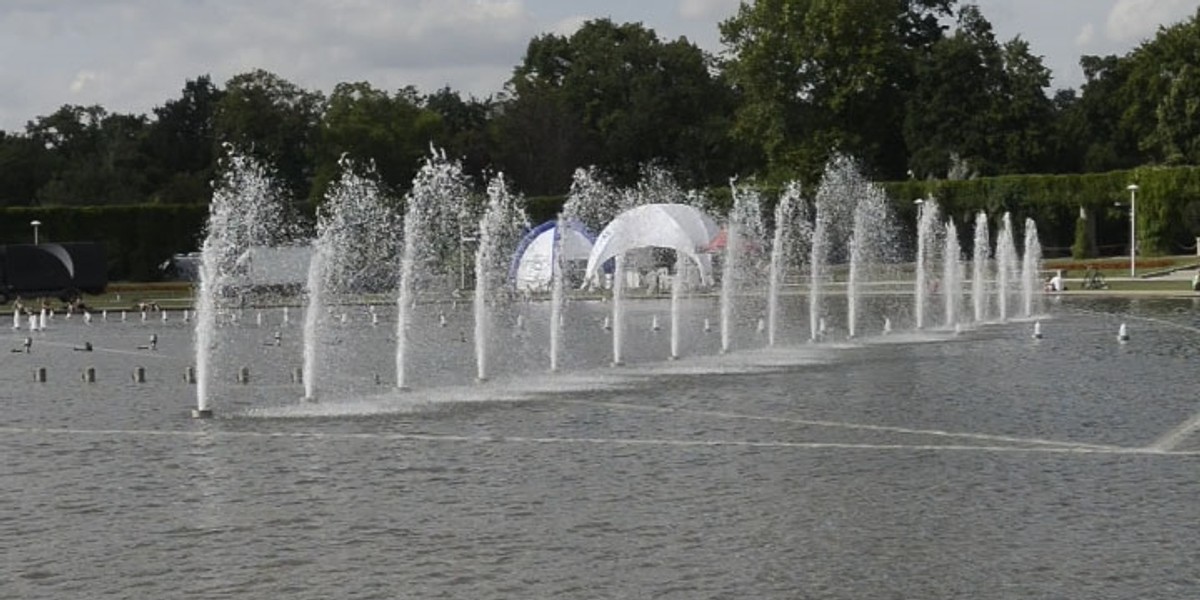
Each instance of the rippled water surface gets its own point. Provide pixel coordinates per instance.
(932, 465)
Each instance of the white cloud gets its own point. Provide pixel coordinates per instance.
(1135, 20)
(130, 56)
(705, 10)
(568, 26)
(1085, 36)
(81, 81)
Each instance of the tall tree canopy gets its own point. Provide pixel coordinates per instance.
(906, 86)
(181, 141)
(392, 130)
(97, 157)
(625, 98)
(275, 120)
(979, 100)
(824, 76)
(1163, 94)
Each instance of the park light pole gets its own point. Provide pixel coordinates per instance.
(35, 224)
(1133, 188)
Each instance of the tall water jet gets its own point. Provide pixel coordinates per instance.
(557, 294)
(870, 244)
(677, 285)
(951, 276)
(1031, 269)
(832, 223)
(792, 231)
(247, 210)
(498, 233)
(927, 226)
(1006, 265)
(354, 248)
(593, 203)
(618, 310)
(979, 267)
(313, 314)
(433, 215)
(743, 234)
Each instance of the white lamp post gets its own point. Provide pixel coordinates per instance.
(1133, 188)
(35, 223)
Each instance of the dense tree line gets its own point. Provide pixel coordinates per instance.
(914, 88)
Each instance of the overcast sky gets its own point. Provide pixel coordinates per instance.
(132, 55)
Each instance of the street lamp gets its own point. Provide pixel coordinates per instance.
(35, 223)
(1133, 188)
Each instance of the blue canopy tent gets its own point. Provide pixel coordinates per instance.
(532, 266)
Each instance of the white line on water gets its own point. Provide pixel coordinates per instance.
(422, 437)
(855, 426)
(1171, 439)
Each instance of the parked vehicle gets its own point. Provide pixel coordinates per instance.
(62, 270)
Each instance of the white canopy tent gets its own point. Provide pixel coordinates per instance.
(533, 265)
(679, 227)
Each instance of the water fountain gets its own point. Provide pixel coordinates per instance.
(831, 230)
(928, 227)
(979, 267)
(851, 236)
(247, 211)
(499, 231)
(742, 255)
(1031, 269)
(1006, 267)
(593, 203)
(951, 276)
(871, 247)
(433, 214)
(352, 253)
(792, 233)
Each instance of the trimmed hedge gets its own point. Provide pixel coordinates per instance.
(1168, 206)
(141, 237)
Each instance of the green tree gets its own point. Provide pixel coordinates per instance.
(25, 166)
(636, 100)
(465, 128)
(97, 157)
(539, 140)
(981, 100)
(393, 131)
(825, 76)
(1163, 94)
(1109, 142)
(276, 121)
(1176, 136)
(1025, 114)
(952, 100)
(181, 142)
